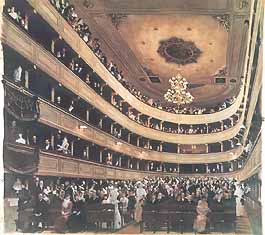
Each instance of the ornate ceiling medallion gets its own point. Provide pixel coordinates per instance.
(176, 50)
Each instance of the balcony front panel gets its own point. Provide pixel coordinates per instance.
(46, 62)
(52, 164)
(49, 13)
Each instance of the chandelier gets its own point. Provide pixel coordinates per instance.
(177, 93)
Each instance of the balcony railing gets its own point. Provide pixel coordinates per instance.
(20, 159)
(23, 107)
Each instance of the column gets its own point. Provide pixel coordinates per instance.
(113, 97)
(128, 163)
(207, 148)
(161, 125)
(222, 146)
(178, 168)
(72, 148)
(148, 121)
(87, 115)
(207, 168)
(207, 128)
(222, 125)
(222, 167)
(178, 149)
(138, 141)
(129, 137)
(148, 144)
(52, 141)
(137, 165)
(53, 45)
(100, 155)
(26, 79)
(87, 152)
(161, 147)
(53, 94)
(111, 128)
(147, 165)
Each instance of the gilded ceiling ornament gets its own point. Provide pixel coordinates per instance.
(221, 72)
(117, 18)
(243, 4)
(176, 50)
(223, 20)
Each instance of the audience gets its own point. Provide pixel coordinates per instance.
(128, 196)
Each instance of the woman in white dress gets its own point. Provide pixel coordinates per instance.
(113, 199)
(239, 193)
(140, 196)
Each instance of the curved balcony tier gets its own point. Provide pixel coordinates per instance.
(52, 116)
(18, 40)
(52, 164)
(49, 13)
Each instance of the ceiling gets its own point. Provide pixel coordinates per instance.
(151, 41)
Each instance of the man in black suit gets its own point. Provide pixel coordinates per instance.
(40, 213)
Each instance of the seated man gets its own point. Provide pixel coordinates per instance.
(64, 146)
(47, 145)
(40, 213)
(20, 139)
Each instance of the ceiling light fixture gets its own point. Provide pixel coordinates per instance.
(177, 93)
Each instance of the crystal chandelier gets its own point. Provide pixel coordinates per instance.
(177, 93)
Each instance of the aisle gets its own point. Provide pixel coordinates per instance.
(243, 225)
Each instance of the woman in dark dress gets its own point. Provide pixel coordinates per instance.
(77, 220)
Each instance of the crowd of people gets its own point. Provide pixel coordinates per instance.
(67, 10)
(129, 197)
